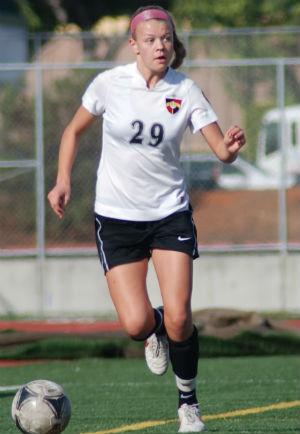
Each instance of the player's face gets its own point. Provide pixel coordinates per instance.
(153, 45)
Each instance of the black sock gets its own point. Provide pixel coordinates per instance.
(184, 359)
(184, 356)
(189, 398)
(159, 321)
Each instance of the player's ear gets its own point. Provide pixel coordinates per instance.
(133, 44)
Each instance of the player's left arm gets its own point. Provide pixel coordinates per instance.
(225, 146)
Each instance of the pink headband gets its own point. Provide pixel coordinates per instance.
(149, 14)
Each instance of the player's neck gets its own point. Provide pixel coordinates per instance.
(151, 77)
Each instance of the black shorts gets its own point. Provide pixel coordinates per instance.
(123, 241)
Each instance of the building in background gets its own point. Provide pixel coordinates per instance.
(13, 39)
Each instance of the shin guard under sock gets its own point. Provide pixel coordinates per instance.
(184, 360)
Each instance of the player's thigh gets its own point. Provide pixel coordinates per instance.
(175, 276)
(127, 287)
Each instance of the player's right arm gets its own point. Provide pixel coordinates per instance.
(59, 196)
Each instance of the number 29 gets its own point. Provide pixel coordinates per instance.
(156, 132)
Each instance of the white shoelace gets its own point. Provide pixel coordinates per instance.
(191, 413)
(155, 346)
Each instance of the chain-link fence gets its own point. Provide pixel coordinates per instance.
(247, 205)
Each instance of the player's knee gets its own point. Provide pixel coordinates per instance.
(136, 329)
(178, 324)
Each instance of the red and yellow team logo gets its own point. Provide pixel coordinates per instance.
(173, 105)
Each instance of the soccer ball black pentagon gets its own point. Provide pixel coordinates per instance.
(41, 407)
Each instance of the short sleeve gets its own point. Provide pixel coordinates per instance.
(201, 111)
(94, 98)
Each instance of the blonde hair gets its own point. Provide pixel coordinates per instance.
(179, 49)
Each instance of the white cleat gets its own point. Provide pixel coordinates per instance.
(157, 353)
(189, 417)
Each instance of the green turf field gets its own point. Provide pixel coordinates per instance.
(107, 394)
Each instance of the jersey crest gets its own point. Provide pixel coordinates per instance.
(173, 105)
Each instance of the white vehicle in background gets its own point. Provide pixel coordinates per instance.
(206, 172)
(269, 149)
(242, 175)
(201, 170)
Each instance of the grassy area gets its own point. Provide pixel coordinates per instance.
(73, 347)
(282, 314)
(109, 393)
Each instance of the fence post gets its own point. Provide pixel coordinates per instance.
(283, 234)
(40, 184)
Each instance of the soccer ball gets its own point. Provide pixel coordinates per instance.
(41, 407)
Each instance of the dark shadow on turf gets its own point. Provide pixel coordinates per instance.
(7, 394)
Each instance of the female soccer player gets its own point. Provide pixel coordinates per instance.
(142, 206)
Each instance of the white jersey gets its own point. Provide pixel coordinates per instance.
(139, 176)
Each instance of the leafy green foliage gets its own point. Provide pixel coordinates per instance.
(17, 123)
(240, 13)
(60, 103)
(60, 100)
(44, 16)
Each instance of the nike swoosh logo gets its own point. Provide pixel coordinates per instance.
(183, 239)
(185, 396)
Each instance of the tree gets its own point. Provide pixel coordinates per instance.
(238, 13)
(45, 15)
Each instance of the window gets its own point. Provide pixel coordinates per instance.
(272, 137)
(294, 133)
(229, 169)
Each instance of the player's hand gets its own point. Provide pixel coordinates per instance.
(234, 139)
(59, 197)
